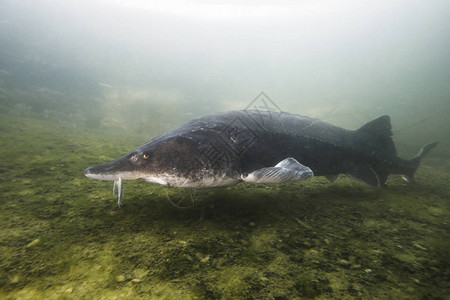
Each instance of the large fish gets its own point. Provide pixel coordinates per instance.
(261, 147)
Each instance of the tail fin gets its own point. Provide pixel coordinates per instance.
(415, 161)
(376, 137)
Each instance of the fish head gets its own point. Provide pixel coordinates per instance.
(160, 161)
(127, 167)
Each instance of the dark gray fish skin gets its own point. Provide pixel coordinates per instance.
(222, 148)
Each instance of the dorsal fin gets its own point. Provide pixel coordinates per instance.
(376, 135)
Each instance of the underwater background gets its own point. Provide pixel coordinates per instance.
(83, 82)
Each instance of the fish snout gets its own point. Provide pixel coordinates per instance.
(112, 171)
(97, 172)
(87, 171)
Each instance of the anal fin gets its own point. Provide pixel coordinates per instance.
(364, 173)
(287, 170)
(332, 178)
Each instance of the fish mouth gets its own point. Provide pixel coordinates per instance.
(116, 171)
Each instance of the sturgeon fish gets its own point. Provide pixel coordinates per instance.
(255, 146)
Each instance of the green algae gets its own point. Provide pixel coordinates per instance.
(63, 237)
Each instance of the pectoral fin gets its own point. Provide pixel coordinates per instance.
(287, 170)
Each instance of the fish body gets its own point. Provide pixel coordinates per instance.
(225, 148)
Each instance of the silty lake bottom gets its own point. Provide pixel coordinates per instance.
(63, 236)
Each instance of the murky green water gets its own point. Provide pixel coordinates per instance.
(83, 82)
(62, 235)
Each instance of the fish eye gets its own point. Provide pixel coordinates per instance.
(145, 156)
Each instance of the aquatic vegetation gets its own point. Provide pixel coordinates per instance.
(307, 240)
